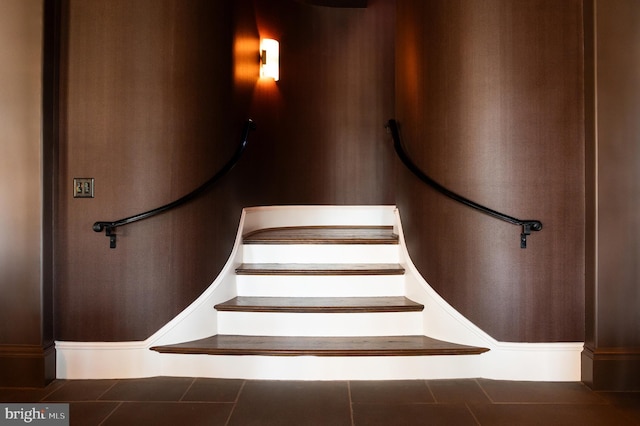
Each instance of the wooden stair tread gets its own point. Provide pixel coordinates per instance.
(320, 346)
(323, 235)
(320, 304)
(320, 269)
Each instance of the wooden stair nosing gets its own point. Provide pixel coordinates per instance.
(320, 304)
(320, 269)
(323, 235)
(320, 346)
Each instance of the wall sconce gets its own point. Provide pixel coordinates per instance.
(270, 58)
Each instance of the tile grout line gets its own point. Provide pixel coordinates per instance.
(107, 390)
(484, 391)
(186, 391)
(53, 391)
(350, 402)
(433, 395)
(110, 413)
(235, 403)
(466, 404)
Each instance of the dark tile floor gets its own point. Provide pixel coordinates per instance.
(189, 401)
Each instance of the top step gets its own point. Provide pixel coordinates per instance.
(323, 235)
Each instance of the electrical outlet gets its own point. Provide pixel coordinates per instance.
(83, 188)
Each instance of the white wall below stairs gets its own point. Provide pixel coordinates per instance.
(505, 360)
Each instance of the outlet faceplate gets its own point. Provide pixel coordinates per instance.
(83, 187)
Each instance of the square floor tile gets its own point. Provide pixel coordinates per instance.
(390, 392)
(80, 390)
(169, 414)
(266, 403)
(28, 394)
(457, 391)
(540, 392)
(214, 390)
(627, 402)
(90, 413)
(152, 389)
(412, 414)
(549, 414)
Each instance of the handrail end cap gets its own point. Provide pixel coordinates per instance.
(534, 225)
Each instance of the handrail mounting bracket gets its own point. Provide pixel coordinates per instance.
(527, 227)
(112, 237)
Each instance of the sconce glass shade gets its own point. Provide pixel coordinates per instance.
(270, 59)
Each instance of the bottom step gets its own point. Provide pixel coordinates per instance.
(320, 346)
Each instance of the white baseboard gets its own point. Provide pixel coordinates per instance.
(504, 361)
(553, 362)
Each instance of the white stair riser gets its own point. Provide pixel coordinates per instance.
(320, 324)
(505, 361)
(320, 253)
(320, 286)
(323, 368)
(277, 216)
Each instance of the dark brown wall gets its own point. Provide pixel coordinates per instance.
(321, 137)
(148, 111)
(612, 351)
(27, 357)
(618, 168)
(490, 104)
(153, 97)
(490, 101)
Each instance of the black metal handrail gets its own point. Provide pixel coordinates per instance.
(109, 227)
(527, 225)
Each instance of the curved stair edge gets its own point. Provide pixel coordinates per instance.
(505, 360)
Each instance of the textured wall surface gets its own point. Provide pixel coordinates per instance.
(321, 138)
(21, 216)
(618, 173)
(611, 359)
(147, 110)
(27, 357)
(153, 97)
(490, 103)
(489, 97)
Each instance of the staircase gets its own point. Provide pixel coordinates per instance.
(321, 291)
